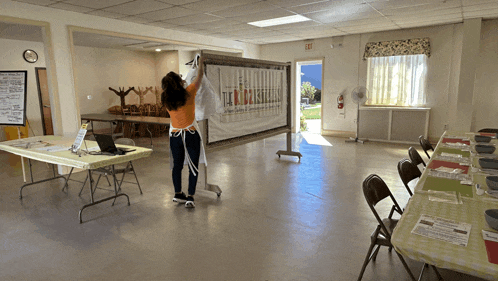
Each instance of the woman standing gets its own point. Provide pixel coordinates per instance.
(184, 137)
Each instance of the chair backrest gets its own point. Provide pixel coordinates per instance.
(408, 172)
(376, 190)
(426, 145)
(415, 156)
(125, 141)
(488, 130)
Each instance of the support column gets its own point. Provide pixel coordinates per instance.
(469, 59)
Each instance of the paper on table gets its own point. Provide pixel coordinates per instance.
(55, 148)
(446, 154)
(444, 197)
(457, 233)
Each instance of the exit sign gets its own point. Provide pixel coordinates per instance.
(308, 46)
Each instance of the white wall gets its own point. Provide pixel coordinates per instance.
(344, 69)
(97, 69)
(11, 59)
(486, 84)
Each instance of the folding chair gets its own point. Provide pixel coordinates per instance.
(375, 190)
(426, 145)
(415, 157)
(128, 169)
(488, 130)
(408, 172)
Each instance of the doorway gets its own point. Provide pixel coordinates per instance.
(309, 86)
(43, 95)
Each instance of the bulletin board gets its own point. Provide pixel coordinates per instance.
(13, 93)
(255, 95)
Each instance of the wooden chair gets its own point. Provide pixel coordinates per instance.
(375, 190)
(426, 145)
(408, 172)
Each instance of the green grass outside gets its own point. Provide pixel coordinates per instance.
(312, 113)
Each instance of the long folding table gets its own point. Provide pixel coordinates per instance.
(470, 259)
(55, 150)
(112, 119)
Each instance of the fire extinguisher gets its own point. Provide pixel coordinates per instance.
(340, 102)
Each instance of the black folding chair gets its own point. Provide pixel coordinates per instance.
(426, 145)
(408, 172)
(415, 157)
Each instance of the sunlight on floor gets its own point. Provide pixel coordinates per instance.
(315, 139)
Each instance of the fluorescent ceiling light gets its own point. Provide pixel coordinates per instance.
(279, 21)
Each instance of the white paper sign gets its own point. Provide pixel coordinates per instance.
(443, 229)
(79, 138)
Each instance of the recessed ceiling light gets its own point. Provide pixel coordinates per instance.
(158, 50)
(279, 21)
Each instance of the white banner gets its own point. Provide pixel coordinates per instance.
(253, 100)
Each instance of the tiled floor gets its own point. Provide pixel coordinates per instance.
(277, 219)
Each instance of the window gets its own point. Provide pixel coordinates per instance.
(396, 80)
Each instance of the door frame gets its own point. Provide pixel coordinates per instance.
(297, 94)
(40, 97)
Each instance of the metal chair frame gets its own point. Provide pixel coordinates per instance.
(407, 172)
(426, 145)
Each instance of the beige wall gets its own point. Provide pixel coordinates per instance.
(97, 69)
(486, 84)
(344, 70)
(11, 59)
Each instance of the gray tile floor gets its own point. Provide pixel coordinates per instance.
(277, 219)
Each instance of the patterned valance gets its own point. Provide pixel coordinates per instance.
(416, 46)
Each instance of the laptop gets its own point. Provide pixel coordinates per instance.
(107, 145)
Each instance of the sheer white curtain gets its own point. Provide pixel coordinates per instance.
(396, 80)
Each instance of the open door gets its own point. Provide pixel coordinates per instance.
(45, 109)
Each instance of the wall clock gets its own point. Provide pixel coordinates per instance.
(30, 56)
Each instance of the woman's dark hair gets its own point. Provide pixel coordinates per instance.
(174, 94)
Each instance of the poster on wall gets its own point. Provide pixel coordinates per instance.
(253, 99)
(13, 91)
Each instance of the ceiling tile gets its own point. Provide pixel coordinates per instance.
(104, 14)
(137, 7)
(215, 24)
(331, 16)
(209, 6)
(291, 3)
(166, 14)
(178, 2)
(69, 7)
(193, 19)
(363, 22)
(161, 24)
(37, 2)
(408, 3)
(418, 16)
(438, 19)
(244, 10)
(476, 2)
(277, 13)
(96, 4)
(136, 19)
(427, 23)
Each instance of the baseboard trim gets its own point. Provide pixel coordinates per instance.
(343, 134)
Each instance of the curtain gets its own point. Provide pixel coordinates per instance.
(415, 46)
(396, 80)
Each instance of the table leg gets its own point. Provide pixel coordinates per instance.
(32, 183)
(150, 133)
(116, 194)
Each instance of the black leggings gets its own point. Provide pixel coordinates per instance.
(193, 144)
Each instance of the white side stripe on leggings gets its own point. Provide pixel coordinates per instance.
(182, 132)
